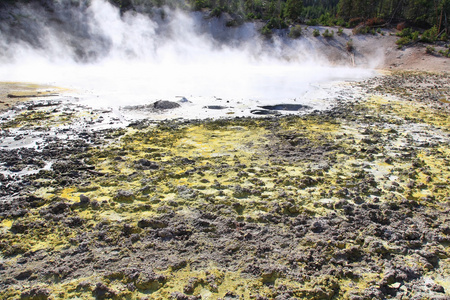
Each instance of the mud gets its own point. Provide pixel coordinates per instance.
(347, 203)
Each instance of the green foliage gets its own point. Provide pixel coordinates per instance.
(327, 20)
(407, 36)
(361, 29)
(200, 4)
(340, 31)
(293, 9)
(403, 41)
(251, 16)
(316, 33)
(312, 22)
(421, 13)
(366, 16)
(430, 35)
(216, 12)
(445, 53)
(266, 31)
(406, 32)
(328, 34)
(341, 22)
(295, 32)
(430, 50)
(276, 23)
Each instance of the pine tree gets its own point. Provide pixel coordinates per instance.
(293, 9)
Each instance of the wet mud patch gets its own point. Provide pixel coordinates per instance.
(12, 93)
(349, 203)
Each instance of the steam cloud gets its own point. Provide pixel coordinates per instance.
(136, 58)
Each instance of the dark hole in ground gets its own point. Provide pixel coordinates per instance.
(288, 107)
(264, 112)
(215, 107)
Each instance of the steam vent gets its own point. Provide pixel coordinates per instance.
(170, 151)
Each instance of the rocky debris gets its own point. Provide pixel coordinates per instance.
(145, 164)
(36, 293)
(346, 203)
(155, 106)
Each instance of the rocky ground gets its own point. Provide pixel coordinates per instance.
(347, 203)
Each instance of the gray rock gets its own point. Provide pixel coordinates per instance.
(164, 104)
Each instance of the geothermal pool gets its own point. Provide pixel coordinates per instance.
(107, 60)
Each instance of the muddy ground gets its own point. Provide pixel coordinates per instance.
(347, 203)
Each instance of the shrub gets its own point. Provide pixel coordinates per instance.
(216, 12)
(266, 31)
(327, 19)
(199, 4)
(276, 23)
(295, 32)
(445, 53)
(328, 34)
(312, 22)
(430, 50)
(403, 41)
(407, 36)
(360, 29)
(341, 22)
(316, 33)
(430, 35)
(250, 16)
(340, 31)
(349, 45)
(406, 32)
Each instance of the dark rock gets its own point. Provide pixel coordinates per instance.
(102, 291)
(36, 293)
(18, 227)
(164, 104)
(150, 281)
(84, 200)
(152, 223)
(135, 237)
(24, 275)
(74, 222)
(123, 195)
(146, 164)
(178, 296)
(436, 288)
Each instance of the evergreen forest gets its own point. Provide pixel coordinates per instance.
(278, 14)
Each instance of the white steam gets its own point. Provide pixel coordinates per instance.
(134, 59)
